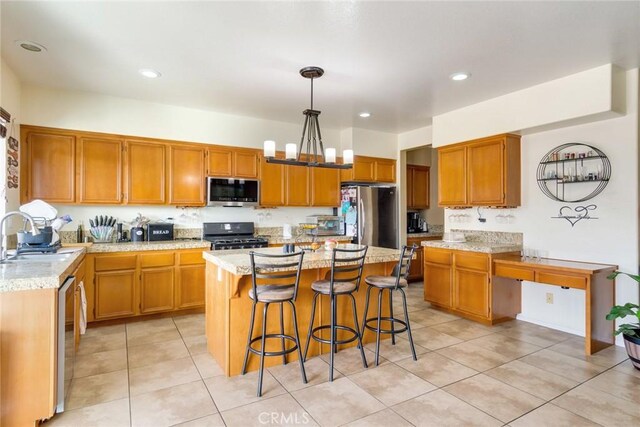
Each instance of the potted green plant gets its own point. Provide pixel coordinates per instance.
(630, 331)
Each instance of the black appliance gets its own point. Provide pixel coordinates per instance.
(232, 192)
(232, 235)
(413, 222)
(159, 231)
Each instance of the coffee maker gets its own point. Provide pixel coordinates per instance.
(413, 222)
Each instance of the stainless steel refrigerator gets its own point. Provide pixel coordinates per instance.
(371, 214)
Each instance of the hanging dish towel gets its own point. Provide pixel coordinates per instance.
(83, 309)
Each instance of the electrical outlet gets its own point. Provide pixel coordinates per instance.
(549, 298)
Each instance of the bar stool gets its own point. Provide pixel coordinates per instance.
(344, 279)
(396, 282)
(267, 292)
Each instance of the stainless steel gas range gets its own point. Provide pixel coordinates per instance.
(232, 235)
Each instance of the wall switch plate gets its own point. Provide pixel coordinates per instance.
(549, 298)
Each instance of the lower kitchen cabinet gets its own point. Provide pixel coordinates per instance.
(190, 292)
(460, 282)
(157, 290)
(115, 294)
(126, 284)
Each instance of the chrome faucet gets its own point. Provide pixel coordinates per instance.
(34, 230)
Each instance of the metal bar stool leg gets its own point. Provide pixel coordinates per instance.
(378, 328)
(393, 335)
(406, 318)
(332, 335)
(313, 315)
(335, 322)
(366, 311)
(284, 347)
(355, 323)
(262, 350)
(246, 354)
(297, 335)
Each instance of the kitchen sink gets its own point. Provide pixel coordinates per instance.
(38, 257)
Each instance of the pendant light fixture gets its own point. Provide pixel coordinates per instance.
(316, 155)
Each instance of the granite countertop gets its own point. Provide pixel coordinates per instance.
(148, 246)
(275, 240)
(485, 247)
(237, 261)
(39, 273)
(424, 234)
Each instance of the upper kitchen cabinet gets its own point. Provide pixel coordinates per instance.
(272, 183)
(187, 175)
(48, 166)
(100, 165)
(483, 172)
(145, 173)
(370, 169)
(452, 176)
(233, 162)
(417, 187)
(246, 163)
(325, 187)
(220, 161)
(297, 186)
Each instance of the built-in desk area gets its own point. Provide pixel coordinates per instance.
(592, 278)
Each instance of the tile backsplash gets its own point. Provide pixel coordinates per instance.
(491, 236)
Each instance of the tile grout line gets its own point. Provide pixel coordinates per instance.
(126, 346)
(199, 373)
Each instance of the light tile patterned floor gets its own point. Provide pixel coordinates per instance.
(158, 373)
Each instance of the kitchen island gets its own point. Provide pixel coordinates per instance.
(228, 307)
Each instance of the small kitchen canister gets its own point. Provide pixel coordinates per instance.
(137, 234)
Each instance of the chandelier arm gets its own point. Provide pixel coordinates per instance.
(320, 139)
(304, 130)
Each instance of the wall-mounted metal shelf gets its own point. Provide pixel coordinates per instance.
(573, 163)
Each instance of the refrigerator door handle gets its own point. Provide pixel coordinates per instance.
(362, 220)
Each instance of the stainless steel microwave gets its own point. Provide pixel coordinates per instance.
(234, 192)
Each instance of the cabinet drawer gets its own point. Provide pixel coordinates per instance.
(561, 280)
(189, 258)
(121, 262)
(514, 273)
(438, 257)
(157, 260)
(472, 261)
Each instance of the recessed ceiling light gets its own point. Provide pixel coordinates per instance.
(31, 46)
(149, 73)
(459, 76)
(364, 115)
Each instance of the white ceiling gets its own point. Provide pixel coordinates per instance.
(390, 58)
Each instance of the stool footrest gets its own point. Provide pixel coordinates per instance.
(273, 353)
(393, 320)
(328, 341)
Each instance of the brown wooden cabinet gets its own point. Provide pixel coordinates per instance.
(246, 163)
(370, 169)
(417, 187)
(297, 180)
(220, 161)
(186, 175)
(461, 282)
(190, 278)
(145, 173)
(157, 289)
(233, 162)
(325, 187)
(416, 272)
(272, 183)
(115, 294)
(125, 284)
(483, 172)
(452, 176)
(48, 166)
(100, 166)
